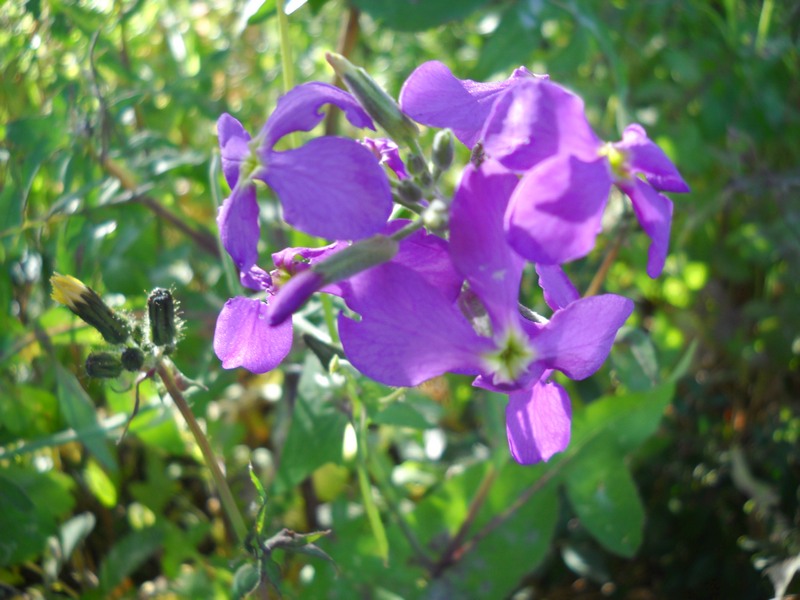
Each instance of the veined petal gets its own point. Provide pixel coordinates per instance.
(238, 225)
(409, 331)
(243, 339)
(299, 110)
(433, 96)
(557, 287)
(654, 212)
(387, 153)
(538, 422)
(556, 211)
(233, 146)
(478, 243)
(534, 120)
(645, 157)
(330, 187)
(578, 338)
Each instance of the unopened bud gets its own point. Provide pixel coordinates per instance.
(103, 365)
(443, 149)
(132, 359)
(161, 310)
(374, 100)
(409, 191)
(435, 216)
(416, 164)
(87, 304)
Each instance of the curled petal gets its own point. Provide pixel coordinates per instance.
(557, 287)
(233, 140)
(578, 338)
(239, 230)
(538, 422)
(556, 210)
(654, 212)
(387, 153)
(244, 339)
(330, 187)
(534, 120)
(477, 239)
(299, 110)
(409, 330)
(644, 156)
(256, 279)
(433, 96)
(295, 260)
(293, 295)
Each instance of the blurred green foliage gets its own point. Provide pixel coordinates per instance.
(108, 172)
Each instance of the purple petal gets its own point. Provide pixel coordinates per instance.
(331, 188)
(239, 230)
(478, 243)
(233, 140)
(556, 211)
(409, 331)
(293, 294)
(428, 255)
(557, 287)
(534, 120)
(256, 278)
(654, 213)
(538, 423)
(295, 260)
(243, 338)
(433, 96)
(577, 340)
(299, 110)
(644, 156)
(387, 153)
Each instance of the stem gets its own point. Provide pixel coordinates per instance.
(454, 549)
(287, 64)
(407, 230)
(228, 503)
(330, 320)
(608, 260)
(348, 34)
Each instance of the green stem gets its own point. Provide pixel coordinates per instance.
(287, 65)
(330, 321)
(228, 503)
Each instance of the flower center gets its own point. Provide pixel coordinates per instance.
(617, 159)
(511, 358)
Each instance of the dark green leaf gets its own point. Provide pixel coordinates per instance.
(245, 580)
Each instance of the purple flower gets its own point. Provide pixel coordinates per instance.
(412, 329)
(387, 153)
(556, 211)
(433, 96)
(244, 335)
(330, 187)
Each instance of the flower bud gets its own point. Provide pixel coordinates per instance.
(103, 365)
(161, 310)
(409, 191)
(416, 164)
(132, 359)
(374, 100)
(84, 302)
(443, 149)
(435, 216)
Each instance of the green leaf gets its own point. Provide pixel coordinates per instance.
(79, 413)
(634, 358)
(316, 432)
(403, 414)
(100, 484)
(412, 15)
(245, 580)
(605, 498)
(503, 51)
(129, 554)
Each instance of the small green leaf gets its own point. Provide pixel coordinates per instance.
(100, 484)
(245, 580)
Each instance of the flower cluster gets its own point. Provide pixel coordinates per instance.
(440, 293)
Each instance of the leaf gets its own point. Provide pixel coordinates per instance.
(635, 359)
(129, 554)
(416, 15)
(503, 51)
(316, 432)
(100, 484)
(79, 413)
(245, 580)
(402, 414)
(605, 498)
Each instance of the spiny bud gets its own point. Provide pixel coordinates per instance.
(132, 359)
(161, 310)
(443, 149)
(84, 302)
(374, 100)
(103, 365)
